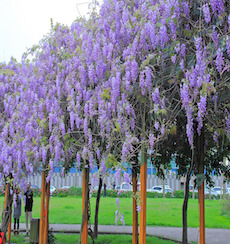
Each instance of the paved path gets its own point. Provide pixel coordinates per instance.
(213, 236)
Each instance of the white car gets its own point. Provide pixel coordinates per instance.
(159, 189)
(216, 190)
(124, 186)
(228, 190)
(52, 189)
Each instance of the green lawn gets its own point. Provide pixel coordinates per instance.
(160, 212)
(102, 239)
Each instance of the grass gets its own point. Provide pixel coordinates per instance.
(102, 239)
(160, 212)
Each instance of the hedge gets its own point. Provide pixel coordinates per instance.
(77, 192)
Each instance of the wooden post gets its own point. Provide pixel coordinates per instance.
(142, 235)
(43, 190)
(5, 205)
(84, 234)
(135, 215)
(46, 226)
(201, 208)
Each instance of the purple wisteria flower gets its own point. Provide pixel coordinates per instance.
(206, 12)
(126, 177)
(139, 208)
(215, 137)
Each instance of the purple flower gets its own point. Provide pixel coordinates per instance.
(151, 141)
(48, 178)
(183, 49)
(185, 97)
(116, 217)
(138, 208)
(219, 59)
(163, 129)
(177, 48)
(206, 12)
(98, 153)
(157, 125)
(228, 124)
(215, 137)
(182, 64)
(164, 35)
(122, 219)
(78, 160)
(228, 45)
(201, 112)
(173, 58)
(126, 177)
(51, 163)
(118, 175)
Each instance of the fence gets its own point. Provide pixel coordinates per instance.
(75, 179)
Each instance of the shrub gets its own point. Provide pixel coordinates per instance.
(2, 192)
(154, 195)
(115, 193)
(225, 208)
(61, 193)
(37, 192)
(75, 191)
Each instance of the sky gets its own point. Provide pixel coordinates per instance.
(24, 22)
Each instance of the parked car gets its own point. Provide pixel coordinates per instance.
(216, 190)
(159, 189)
(52, 189)
(124, 186)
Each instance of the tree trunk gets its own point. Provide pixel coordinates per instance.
(97, 208)
(193, 188)
(9, 226)
(201, 208)
(185, 204)
(163, 187)
(221, 187)
(185, 207)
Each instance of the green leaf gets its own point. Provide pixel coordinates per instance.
(7, 72)
(106, 94)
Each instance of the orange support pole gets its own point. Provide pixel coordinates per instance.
(142, 235)
(201, 208)
(135, 215)
(41, 229)
(47, 214)
(84, 234)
